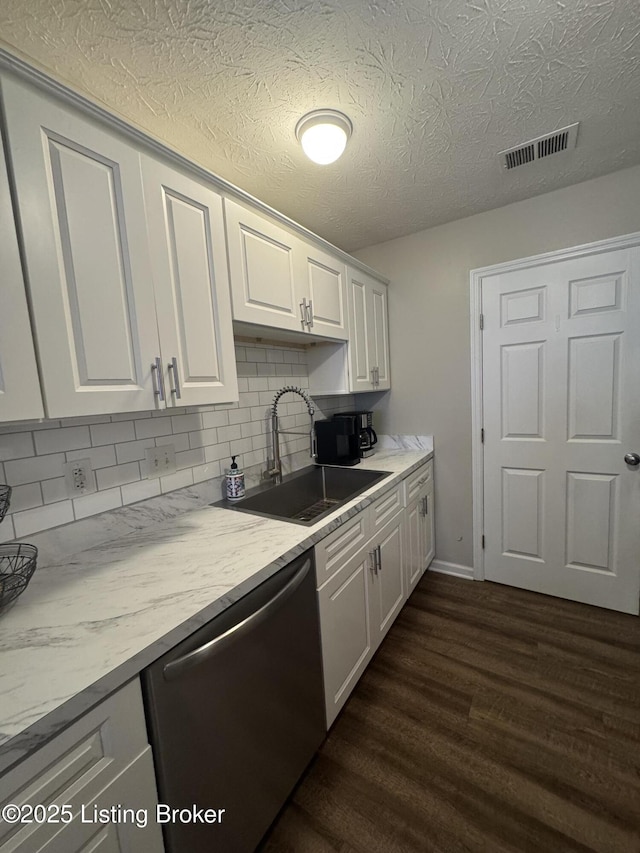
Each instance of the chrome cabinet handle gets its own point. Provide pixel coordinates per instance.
(424, 504)
(379, 558)
(374, 562)
(157, 379)
(310, 314)
(632, 458)
(303, 312)
(373, 376)
(173, 368)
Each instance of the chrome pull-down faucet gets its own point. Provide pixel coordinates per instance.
(274, 465)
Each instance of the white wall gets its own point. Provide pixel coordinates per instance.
(429, 320)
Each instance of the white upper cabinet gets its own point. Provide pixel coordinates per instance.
(281, 281)
(20, 397)
(326, 288)
(369, 336)
(81, 209)
(109, 322)
(186, 233)
(264, 268)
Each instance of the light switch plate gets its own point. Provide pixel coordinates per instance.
(160, 461)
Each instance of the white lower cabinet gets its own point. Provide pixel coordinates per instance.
(365, 571)
(345, 626)
(387, 585)
(99, 767)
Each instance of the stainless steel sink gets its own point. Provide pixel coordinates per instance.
(308, 495)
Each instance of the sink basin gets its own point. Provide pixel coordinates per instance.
(308, 495)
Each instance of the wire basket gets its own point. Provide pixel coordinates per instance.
(17, 565)
(5, 500)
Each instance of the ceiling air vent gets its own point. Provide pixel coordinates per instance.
(543, 146)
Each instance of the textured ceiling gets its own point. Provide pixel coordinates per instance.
(435, 88)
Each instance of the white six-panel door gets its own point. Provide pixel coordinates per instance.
(561, 408)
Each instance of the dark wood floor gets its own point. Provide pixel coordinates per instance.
(491, 719)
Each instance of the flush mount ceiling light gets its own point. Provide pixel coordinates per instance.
(323, 135)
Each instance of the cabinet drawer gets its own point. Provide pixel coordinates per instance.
(338, 547)
(415, 483)
(384, 509)
(75, 766)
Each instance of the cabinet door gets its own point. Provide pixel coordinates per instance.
(419, 538)
(387, 593)
(265, 270)
(186, 236)
(20, 397)
(326, 286)
(429, 536)
(378, 334)
(345, 630)
(360, 348)
(414, 554)
(81, 209)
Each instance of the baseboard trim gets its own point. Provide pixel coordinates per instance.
(455, 569)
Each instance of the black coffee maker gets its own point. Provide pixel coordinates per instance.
(337, 441)
(367, 438)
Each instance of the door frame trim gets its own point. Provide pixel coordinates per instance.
(476, 276)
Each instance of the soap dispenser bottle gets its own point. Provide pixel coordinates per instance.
(234, 479)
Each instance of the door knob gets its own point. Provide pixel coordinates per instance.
(632, 458)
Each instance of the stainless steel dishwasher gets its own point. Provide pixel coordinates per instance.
(237, 712)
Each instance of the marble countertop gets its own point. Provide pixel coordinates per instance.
(88, 624)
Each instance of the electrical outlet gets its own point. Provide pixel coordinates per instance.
(79, 478)
(160, 460)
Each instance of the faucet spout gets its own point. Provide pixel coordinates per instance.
(275, 470)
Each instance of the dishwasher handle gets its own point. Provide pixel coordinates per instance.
(176, 668)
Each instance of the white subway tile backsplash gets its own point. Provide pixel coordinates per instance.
(132, 451)
(98, 502)
(32, 454)
(186, 423)
(176, 481)
(247, 369)
(100, 457)
(15, 445)
(113, 433)
(179, 442)
(26, 497)
(42, 518)
(208, 471)
(190, 458)
(215, 419)
(108, 478)
(65, 438)
(140, 491)
(34, 469)
(153, 427)
(239, 416)
(229, 433)
(203, 437)
(6, 529)
(54, 490)
(256, 354)
(217, 451)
